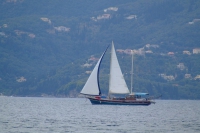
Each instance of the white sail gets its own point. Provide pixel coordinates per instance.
(117, 84)
(91, 87)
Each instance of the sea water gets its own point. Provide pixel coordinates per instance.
(63, 115)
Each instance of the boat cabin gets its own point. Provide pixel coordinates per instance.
(134, 96)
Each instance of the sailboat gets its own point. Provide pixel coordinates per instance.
(117, 85)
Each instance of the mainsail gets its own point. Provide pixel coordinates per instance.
(117, 84)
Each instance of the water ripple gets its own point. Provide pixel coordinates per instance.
(62, 115)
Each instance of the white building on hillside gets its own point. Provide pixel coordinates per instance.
(196, 51)
(104, 16)
(111, 9)
(197, 77)
(181, 66)
(186, 52)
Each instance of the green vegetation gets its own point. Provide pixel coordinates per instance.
(44, 45)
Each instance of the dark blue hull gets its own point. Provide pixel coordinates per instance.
(119, 102)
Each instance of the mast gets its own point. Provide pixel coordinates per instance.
(132, 73)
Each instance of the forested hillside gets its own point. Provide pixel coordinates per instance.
(49, 47)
